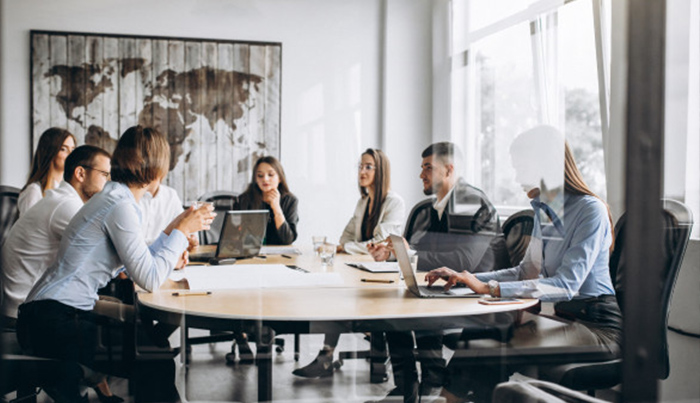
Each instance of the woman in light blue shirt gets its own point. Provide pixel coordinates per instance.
(105, 235)
(566, 261)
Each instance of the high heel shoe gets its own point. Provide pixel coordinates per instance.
(321, 367)
(107, 399)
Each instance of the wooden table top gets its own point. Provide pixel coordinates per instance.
(354, 300)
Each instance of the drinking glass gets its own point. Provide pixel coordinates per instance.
(318, 240)
(327, 253)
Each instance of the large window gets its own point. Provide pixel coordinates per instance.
(520, 64)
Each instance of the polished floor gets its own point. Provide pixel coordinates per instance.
(208, 378)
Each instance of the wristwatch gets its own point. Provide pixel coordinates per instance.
(493, 287)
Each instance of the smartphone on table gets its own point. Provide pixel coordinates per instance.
(499, 301)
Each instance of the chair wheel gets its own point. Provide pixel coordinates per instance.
(231, 358)
(296, 357)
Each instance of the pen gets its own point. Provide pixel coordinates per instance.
(376, 280)
(188, 293)
(287, 256)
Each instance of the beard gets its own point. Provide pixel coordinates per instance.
(433, 188)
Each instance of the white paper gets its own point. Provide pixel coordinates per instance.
(377, 267)
(249, 276)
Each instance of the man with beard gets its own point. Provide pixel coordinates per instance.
(456, 227)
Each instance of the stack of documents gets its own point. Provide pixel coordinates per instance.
(251, 276)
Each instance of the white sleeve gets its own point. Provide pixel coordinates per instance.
(391, 223)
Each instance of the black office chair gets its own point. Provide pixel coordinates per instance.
(8, 210)
(223, 201)
(678, 222)
(517, 230)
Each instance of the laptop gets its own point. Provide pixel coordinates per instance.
(242, 235)
(423, 291)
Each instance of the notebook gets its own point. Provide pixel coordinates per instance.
(242, 235)
(423, 291)
(376, 267)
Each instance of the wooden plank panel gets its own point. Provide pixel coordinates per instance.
(242, 142)
(58, 48)
(193, 105)
(75, 99)
(210, 95)
(144, 75)
(176, 133)
(127, 84)
(110, 74)
(95, 86)
(156, 115)
(41, 87)
(273, 87)
(257, 105)
(227, 100)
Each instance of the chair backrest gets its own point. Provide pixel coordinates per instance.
(677, 221)
(517, 230)
(223, 201)
(8, 210)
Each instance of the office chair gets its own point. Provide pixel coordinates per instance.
(8, 210)
(678, 222)
(223, 201)
(517, 230)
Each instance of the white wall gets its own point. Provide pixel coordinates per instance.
(333, 82)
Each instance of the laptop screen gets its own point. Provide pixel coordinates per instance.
(242, 234)
(404, 263)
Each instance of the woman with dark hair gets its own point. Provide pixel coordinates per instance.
(268, 190)
(56, 320)
(379, 212)
(565, 263)
(47, 166)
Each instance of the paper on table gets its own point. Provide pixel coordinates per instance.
(255, 276)
(377, 267)
(279, 250)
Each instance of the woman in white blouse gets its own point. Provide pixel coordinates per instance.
(379, 213)
(47, 166)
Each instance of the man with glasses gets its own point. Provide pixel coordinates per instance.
(33, 241)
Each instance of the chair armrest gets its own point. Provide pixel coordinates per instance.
(118, 311)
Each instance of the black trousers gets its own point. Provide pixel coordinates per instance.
(54, 330)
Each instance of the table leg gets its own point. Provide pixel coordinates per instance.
(264, 343)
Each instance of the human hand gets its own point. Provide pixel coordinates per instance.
(194, 242)
(191, 220)
(272, 197)
(339, 249)
(380, 251)
(183, 261)
(450, 276)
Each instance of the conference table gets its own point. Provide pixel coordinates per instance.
(352, 305)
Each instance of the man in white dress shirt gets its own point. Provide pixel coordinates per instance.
(158, 210)
(32, 243)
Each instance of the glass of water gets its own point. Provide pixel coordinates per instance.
(318, 240)
(327, 252)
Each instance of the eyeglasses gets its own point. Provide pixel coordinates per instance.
(365, 167)
(103, 173)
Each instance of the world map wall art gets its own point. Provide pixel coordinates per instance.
(218, 101)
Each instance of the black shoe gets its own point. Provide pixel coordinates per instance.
(107, 399)
(245, 354)
(321, 367)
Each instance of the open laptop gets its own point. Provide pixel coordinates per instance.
(423, 291)
(242, 235)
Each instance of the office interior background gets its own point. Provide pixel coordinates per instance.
(401, 74)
